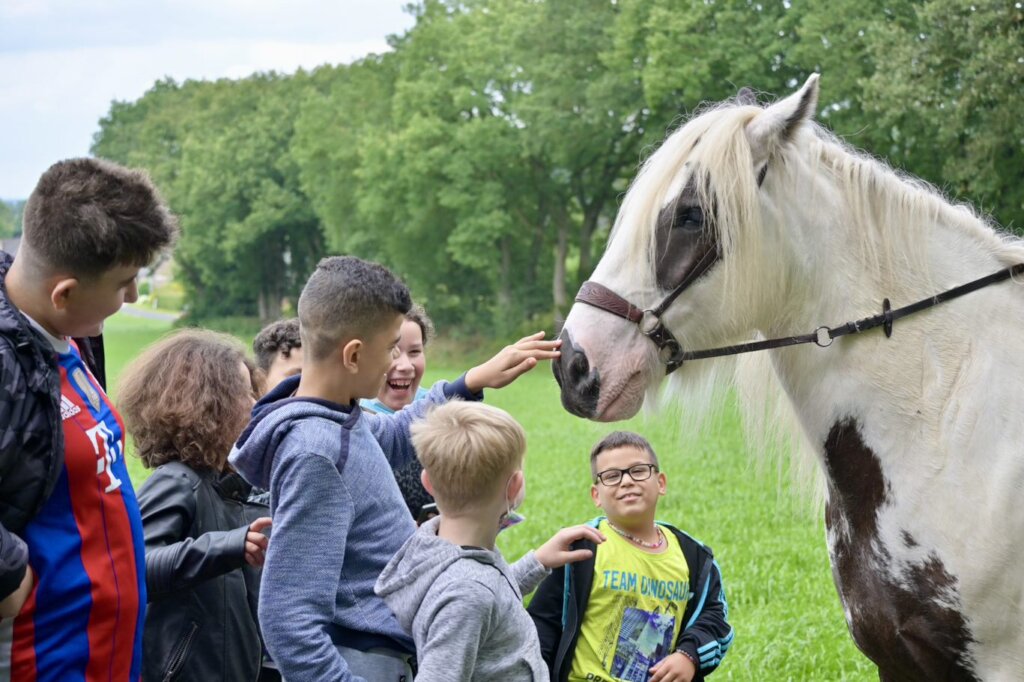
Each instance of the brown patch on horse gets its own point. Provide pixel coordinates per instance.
(906, 626)
(686, 239)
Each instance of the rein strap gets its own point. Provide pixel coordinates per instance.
(604, 298)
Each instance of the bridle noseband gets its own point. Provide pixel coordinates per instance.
(671, 352)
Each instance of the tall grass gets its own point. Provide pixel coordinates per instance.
(768, 541)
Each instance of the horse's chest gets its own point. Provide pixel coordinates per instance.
(904, 615)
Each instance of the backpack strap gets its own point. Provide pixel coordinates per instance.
(567, 587)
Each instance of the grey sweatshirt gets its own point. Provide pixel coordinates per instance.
(464, 609)
(338, 519)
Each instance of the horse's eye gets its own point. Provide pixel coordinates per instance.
(689, 218)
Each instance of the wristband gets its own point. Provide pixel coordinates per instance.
(692, 659)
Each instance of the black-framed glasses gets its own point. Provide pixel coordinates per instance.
(638, 472)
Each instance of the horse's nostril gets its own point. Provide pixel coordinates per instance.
(580, 386)
(578, 365)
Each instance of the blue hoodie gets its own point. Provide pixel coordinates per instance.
(338, 519)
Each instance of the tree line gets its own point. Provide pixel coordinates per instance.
(10, 218)
(484, 156)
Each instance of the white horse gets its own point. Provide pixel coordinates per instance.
(774, 227)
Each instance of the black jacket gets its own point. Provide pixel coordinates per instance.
(201, 621)
(31, 433)
(561, 600)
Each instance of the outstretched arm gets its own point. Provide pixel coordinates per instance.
(511, 362)
(546, 611)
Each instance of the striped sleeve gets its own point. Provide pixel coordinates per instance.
(707, 636)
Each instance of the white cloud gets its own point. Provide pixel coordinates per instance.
(63, 62)
(288, 57)
(17, 9)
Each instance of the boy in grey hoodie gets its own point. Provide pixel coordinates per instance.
(338, 514)
(448, 585)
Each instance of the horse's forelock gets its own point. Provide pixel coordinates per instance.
(712, 145)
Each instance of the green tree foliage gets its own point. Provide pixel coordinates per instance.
(7, 220)
(484, 156)
(221, 153)
(512, 129)
(948, 90)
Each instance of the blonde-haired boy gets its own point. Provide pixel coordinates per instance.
(449, 585)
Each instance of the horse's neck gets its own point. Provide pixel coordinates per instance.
(933, 383)
(920, 434)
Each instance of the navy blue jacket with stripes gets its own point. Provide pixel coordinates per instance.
(561, 600)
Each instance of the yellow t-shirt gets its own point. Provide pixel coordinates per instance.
(634, 614)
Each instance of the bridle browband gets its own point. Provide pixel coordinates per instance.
(671, 351)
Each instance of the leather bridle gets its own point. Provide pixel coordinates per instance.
(672, 354)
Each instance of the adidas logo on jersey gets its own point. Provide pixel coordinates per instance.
(67, 408)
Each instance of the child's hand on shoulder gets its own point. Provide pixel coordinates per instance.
(511, 362)
(256, 542)
(558, 550)
(675, 667)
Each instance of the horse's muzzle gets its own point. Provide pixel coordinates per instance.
(581, 386)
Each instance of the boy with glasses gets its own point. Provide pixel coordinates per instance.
(650, 605)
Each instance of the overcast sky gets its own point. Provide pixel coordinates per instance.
(63, 61)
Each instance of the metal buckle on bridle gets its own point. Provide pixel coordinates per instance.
(649, 323)
(823, 337)
(670, 351)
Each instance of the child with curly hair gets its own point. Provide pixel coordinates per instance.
(185, 400)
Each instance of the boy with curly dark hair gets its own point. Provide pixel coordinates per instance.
(278, 350)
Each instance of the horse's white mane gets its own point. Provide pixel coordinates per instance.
(889, 214)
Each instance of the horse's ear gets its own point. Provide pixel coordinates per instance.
(746, 97)
(777, 123)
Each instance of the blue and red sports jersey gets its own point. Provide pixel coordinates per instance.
(84, 618)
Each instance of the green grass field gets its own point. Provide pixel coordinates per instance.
(768, 541)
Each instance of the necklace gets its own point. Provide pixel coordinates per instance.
(633, 538)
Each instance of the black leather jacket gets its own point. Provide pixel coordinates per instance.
(201, 621)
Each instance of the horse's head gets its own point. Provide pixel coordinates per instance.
(686, 240)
